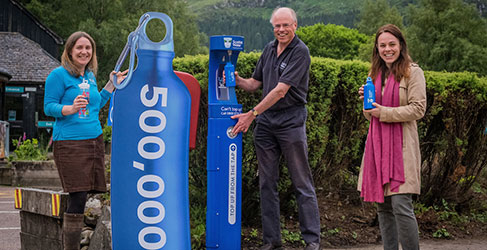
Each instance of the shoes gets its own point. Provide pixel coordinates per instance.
(270, 246)
(309, 246)
(312, 246)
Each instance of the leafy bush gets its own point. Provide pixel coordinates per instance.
(291, 237)
(452, 144)
(332, 41)
(28, 150)
(107, 134)
(441, 233)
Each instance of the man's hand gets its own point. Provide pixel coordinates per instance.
(225, 78)
(244, 121)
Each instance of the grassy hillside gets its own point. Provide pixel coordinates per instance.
(250, 18)
(304, 7)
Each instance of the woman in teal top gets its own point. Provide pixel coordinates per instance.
(79, 150)
(61, 89)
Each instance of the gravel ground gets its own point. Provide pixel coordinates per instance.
(459, 244)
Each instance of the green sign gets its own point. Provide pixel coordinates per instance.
(12, 89)
(45, 124)
(12, 115)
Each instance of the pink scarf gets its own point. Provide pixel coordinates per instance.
(383, 159)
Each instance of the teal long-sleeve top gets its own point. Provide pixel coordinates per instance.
(61, 89)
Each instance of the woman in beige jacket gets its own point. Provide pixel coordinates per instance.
(391, 166)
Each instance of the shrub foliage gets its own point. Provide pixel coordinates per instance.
(332, 41)
(28, 150)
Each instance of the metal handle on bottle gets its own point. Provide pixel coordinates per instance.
(138, 40)
(130, 46)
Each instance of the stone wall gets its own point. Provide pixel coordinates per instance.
(6, 173)
(41, 174)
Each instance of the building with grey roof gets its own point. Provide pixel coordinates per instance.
(24, 59)
(28, 53)
(15, 18)
(28, 66)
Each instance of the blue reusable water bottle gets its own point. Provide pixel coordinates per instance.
(150, 147)
(229, 75)
(369, 94)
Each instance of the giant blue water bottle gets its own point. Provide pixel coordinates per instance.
(224, 149)
(369, 94)
(150, 143)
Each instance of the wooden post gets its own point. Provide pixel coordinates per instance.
(41, 213)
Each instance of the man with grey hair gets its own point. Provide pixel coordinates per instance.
(283, 73)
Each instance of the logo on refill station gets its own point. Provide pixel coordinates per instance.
(227, 42)
(237, 44)
(230, 43)
(369, 94)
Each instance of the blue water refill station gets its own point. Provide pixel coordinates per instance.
(224, 149)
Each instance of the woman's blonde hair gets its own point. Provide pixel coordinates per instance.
(67, 60)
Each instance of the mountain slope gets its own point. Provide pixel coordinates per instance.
(250, 18)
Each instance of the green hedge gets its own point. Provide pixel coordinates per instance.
(453, 145)
(453, 142)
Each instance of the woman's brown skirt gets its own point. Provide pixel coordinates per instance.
(81, 164)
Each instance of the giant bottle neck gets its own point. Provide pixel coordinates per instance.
(163, 58)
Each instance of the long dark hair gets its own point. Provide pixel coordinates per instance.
(400, 68)
(67, 60)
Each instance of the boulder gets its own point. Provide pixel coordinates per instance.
(102, 237)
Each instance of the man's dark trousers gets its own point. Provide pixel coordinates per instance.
(277, 132)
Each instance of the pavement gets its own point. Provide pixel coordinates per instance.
(458, 244)
(9, 220)
(10, 231)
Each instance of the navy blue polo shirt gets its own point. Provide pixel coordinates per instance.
(291, 67)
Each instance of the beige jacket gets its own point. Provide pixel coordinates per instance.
(412, 99)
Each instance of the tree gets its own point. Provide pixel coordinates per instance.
(448, 35)
(109, 22)
(333, 41)
(481, 6)
(377, 13)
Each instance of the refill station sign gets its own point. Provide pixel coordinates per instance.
(224, 149)
(151, 113)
